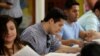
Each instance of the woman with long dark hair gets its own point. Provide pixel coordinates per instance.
(9, 38)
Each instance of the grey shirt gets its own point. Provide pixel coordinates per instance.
(37, 37)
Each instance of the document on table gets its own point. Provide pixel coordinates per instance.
(61, 54)
(96, 40)
(26, 51)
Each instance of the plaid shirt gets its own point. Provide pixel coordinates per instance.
(37, 37)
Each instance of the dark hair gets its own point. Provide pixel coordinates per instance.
(4, 19)
(70, 3)
(56, 14)
(91, 49)
(96, 6)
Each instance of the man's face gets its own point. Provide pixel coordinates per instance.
(72, 13)
(55, 27)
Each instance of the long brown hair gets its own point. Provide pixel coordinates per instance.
(4, 19)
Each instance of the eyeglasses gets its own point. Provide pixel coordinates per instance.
(48, 41)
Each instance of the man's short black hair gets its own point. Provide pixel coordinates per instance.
(91, 49)
(56, 14)
(96, 6)
(70, 3)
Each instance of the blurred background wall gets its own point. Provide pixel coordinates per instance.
(35, 10)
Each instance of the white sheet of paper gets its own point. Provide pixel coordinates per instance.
(96, 40)
(60, 54)
(26, 51)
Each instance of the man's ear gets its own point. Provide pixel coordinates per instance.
(51, 21)
(96, 10)
(65, 12)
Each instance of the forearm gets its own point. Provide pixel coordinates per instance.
(67, 49)
(4, 5)
(90, 35)
(67, 42)
(96, 35)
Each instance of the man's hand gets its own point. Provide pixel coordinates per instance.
(90, 35)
